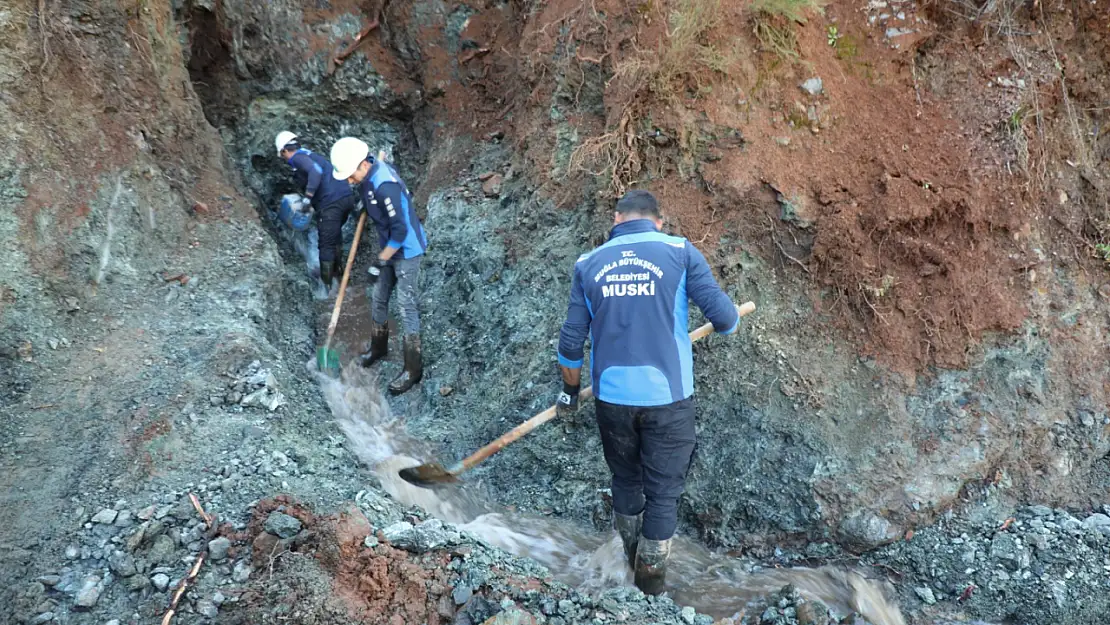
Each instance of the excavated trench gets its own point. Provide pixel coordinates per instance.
(493, 271)
(574, 550)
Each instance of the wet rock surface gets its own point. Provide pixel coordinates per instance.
(1000, 569)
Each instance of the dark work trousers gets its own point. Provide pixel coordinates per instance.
(648, 449)
(404, 274)
(332, 217)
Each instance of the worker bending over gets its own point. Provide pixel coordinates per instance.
(332, 200)
(403, 242)
(631, 295)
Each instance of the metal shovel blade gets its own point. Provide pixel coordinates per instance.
(428, 475)
(327, 361)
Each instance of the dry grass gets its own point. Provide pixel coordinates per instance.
(793, 10)
(684, 65)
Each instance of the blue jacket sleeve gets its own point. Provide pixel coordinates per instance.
(702, 287)
(315, 173)
(577, 326)
(391, 199)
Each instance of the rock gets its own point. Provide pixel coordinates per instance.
(688, 614)
(1040, 511)
(370, 541)
(218, 548)
(114, 621)
(1004, 548)
(274, 401)
(124, 519)
(146, 513)
(812, 613)
(257, 398)
(121, 563)
(72, 552)
(511, 617)
(106, 516)
(137, 582)
(282, 525)
(49, 580)
(161, 552)
(1059, 593)
(444, 391)
(161, 581)
(813, 86)
(485, 176)
(207, 608)
(925, 594)
(89, 593)
(45, 617)
(491, 187)
(1096, 521)
(462, 594)
(242, 572)
(218, 598)
(445, 607)
(422, 538)
(868, 530)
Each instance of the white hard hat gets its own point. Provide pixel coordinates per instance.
(283, 139)
(346, 155)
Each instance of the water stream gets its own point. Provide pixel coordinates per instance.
(711, 583)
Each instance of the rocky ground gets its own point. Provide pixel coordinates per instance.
(920, 394)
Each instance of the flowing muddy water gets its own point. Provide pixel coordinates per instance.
(710, 583)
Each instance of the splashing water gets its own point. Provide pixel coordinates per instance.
(711, 583)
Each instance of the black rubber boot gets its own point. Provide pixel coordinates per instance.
(651, 565)
(337, 269)
(379, 344)
(629, 529)
(326, 275)
(414, 367)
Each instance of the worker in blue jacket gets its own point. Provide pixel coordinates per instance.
(402, 241)
(331, 198)
(631, 296)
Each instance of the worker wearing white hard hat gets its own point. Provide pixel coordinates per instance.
(402, 240)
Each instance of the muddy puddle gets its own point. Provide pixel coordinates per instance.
(713, 584)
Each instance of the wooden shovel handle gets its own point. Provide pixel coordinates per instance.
(524, 428)
(343, 283)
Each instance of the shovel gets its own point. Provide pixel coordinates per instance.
(434, 474)
(327, 359)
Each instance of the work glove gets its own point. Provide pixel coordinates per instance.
(375, 270)
(567, 403)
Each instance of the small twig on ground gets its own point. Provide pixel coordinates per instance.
(181, 587)
(43, 406)
(204, 515)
